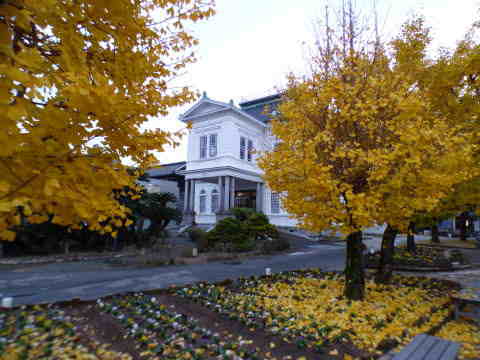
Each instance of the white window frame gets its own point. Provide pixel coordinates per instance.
(212, 145)
(249, 150)
(275, 206)
(215, 201)
(203, 146)
(202, 203)
(243, 147)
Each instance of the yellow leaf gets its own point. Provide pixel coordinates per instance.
(4, 186)
(7, 235)
(16, 112)
(6, 206)
(50, 186)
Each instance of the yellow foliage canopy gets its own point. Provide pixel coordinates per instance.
(78, 79)
(365, 145)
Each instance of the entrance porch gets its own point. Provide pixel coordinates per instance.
(209, 199)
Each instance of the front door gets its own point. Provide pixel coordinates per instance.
(245, 199)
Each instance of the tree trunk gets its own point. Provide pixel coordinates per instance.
(354, 269)
(462, 225)
(385, 270)
(435, 238)
(66, 246)
(411, 247)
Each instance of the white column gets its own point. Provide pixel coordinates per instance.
(258, 197)
(232, 192)
(186, 196)
(262, 197)
(227, 193)
(222, 194)
(192, 192)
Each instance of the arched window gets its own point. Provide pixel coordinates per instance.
(203, 202)
(215, 200)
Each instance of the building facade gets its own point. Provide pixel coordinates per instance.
(221, 170)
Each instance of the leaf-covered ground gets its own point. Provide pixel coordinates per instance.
(309, 309)
(295, 315)
(47, 333)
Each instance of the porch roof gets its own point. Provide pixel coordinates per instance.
(166, 170)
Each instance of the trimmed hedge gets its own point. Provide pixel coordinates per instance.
(243, 231)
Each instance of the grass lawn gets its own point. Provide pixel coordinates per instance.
(296, 315)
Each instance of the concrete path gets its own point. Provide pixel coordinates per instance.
(58, 282)
(375, 242)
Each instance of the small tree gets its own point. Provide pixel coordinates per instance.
(156, 208)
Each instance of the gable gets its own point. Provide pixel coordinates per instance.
(207, 106)
(204, 107)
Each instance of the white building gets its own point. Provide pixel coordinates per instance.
(221, 170)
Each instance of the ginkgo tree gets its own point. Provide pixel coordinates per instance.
(360, 144)
(78, 81)
(450, 81)
(453, 85)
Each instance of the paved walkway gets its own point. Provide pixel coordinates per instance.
(88, 281)
(91, 280)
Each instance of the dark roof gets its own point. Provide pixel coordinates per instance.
(165, 169)
(256, 107)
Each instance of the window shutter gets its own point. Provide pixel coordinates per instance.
(213, 145)
(203, 147)
(242, 148)
(250, 150)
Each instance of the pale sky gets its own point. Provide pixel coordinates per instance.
(249, 46)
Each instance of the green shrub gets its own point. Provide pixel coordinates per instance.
(247, 244)
(260, 228)
(242, 232)
(228, 230)
(242, 214)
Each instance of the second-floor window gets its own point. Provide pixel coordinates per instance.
(208, 146)
(213, 145)
(243, 142)
(249, 150)
(203, 146)
(246, 149)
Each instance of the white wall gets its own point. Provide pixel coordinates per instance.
(229, 127)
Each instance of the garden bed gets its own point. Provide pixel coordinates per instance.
(294, 315)
(308, 309)
(426, 258)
